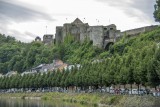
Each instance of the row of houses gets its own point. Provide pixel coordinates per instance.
(45, 68)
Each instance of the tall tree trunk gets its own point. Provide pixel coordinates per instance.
(124, 86)
(131, 88)
(138, 89)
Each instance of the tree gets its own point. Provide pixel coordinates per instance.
(157, 61)
(152, 75)
(157, 11)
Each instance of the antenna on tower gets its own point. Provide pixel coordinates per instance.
(109, 21)
(66, 20)
(46, 29)
(97, 21)
(84, 20)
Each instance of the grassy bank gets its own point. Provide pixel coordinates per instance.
(93, 99)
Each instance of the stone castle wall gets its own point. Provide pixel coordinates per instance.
(101, 36)
(80, 31)
(137, 31)
(96, 35)
(48, 39)
(59, 33)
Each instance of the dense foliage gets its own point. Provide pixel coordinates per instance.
(131, 60)
(17, 56)
(157, 11)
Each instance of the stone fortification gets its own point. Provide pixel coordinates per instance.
(101, 36)
(137, 31)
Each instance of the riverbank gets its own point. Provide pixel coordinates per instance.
(96, 99)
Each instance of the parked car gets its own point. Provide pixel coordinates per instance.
(124, 91)
(33, 90)
(156, 93)
(137, 92)
(45, 90)
(111, 91)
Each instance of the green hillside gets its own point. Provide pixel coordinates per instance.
(18, 56)
(129, 61)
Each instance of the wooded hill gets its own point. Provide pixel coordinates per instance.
(128, 61)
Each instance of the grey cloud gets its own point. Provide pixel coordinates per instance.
(24, 37)
(30, 34)
(142, 9)
(14, 11)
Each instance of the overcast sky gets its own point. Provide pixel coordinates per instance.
(26, 19)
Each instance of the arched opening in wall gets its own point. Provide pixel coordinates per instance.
(128, 35)
(107, 47)
(91, 42)
(54, 41)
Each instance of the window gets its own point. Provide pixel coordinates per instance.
(111, 28)
(105, 28)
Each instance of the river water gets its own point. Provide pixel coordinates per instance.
(36, 103)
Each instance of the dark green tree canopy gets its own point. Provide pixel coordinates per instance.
(131, 61)
(157, 11)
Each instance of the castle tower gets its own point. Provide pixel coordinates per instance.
(77, 29)
(48, 39)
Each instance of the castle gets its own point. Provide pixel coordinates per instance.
(101, 36)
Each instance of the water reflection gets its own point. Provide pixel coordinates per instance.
(36, 103)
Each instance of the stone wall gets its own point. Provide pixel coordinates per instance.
(137, 31)
(58, 34)
(48, 39)
(82, 31)
(96, 35)
(100, 35)
(78, 31)
(65, 31)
